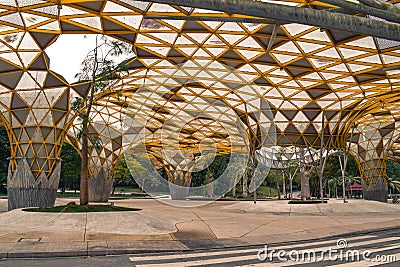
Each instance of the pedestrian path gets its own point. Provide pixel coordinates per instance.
(162, 228)
(380, 249)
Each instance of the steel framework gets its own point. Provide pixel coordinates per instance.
(256, 68)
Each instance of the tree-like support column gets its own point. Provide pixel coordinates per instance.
(36, 136)
(374, 180)
(100, 187)
(35, 109)
(179, 183)
(178, 164)
(104, 149)
(26, 191)
(370, 146)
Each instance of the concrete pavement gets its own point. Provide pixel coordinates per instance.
(159, 227)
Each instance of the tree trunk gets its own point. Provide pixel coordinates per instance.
(308, 16)
(270, 188)
(244, 185)
(278, 187)
(99, 187)
(291, 188)
(305, 179)
(284, 185)
(84, 188)
(305, 186)
(210, 192)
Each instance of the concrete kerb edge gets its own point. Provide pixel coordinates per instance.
(191, 246)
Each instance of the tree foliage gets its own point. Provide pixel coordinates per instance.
(393, 169)
(393, 177)
(70, 168)
(215, 170)
(332, 166)
(122, 174)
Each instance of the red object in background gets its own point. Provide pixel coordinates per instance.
(354, 187)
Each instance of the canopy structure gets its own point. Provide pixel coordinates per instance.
(197, 72)
(281, 157)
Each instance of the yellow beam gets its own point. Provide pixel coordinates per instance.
(72, 1)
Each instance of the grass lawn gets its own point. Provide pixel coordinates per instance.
(266, 191)
(263, 192)
(77, 208)
(126, 192)
(67, 195)
(127, 189)
(311, 201)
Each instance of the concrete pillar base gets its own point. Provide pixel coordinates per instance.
(25, 191)
(31, 197)
(100, 187)
(377, 192)
(179, 189)
(178, 192)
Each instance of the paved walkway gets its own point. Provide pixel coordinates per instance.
(159, 227)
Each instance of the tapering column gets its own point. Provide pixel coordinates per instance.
(179, 185)
(100, 187)
(26, 191)
(305, 177)
(105, 149)
(36, 110)
(374, 183)
(370, 147)
(179, 165)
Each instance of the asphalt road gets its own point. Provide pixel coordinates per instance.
(106, 261)
(385, 244)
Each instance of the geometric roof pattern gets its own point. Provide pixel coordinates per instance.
(301, 72)
(280, 157)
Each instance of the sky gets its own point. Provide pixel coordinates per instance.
(67, 53)
(69, 50)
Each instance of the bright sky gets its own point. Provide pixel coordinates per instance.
(69, 50)
(67, 53)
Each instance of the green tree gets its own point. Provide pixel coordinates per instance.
(70, 168)
(292, 171)
(99, 69)
(333, 176)
(215, 169)
(332, 166)
(393, 177)
(393, 169)
(393, 185)
(331, 186)
(5, 154)
(122, 174)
